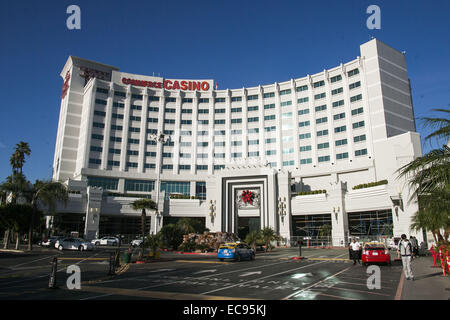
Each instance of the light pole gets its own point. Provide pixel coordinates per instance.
(160, 139)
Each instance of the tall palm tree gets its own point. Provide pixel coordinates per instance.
(22, 150)
(16, 185)
(143, 204)
(48, 193)
(429, 180)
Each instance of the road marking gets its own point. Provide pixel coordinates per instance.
(202, 261)
(332, 296)
(18, 265)
(86, 259)
(250, 273)
(269, 276)
(162, 270)
(328, 259)
(203, 271)
(298, 292)
(155, 294)
(398, 294)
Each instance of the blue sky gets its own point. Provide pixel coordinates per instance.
(236, 43)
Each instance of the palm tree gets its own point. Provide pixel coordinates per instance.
(22, 149)
(143, 204)
(47, 193)
(154, 242)
(252, 238)
(268, 235)
(429, 179)
(16, 185)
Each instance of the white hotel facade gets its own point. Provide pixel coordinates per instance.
(333, 130)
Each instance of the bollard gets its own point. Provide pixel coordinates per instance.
(448, 263)
(52, 279)
(117, 259)
(434, 256)
(112, 268)
(441, 256)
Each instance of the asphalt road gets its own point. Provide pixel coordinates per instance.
(325, 274)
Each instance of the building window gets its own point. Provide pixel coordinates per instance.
(219, 155)
(341, 156)
(186, 110)
(271, 152)
(359, 138)
(304, 136)
(236, 155)
(139, 185)
(254, 108)
(288, 163)
(283, 92)
(113, 163)
(337, 91)
(219, 100)
(218, 121)
(302, 100)
(95, 161)
(353, 72)
(135, 107)
(233, 110)
(170, 110)
(167, 166)
(322, 133)
(105, 183)
(153, 98)
(200, 190)
(303, 111)
(169, 121)
(253, 154)
(324, 158)
(339, 116)
(187, 100)
(269, 117)
(97, 136)
(359, 124)
(305, 148)
(357, 111)
(269, 129)
(219, 132)
(361, 152)
(118, 105)
(340, 129)
(98, 125)
(117, 116)
(203, 100)
(354, 85)
(235, 99)
(99, 113)
(132, 152)
(185, 167)
(186, 121)
(133, 141)
(102, 90)
(356, 98)
(286, 103)
(253, 97)
(306, 161)
(120, 94)
(304, 124)
(175, 187)
(324, 145)
(302, 88)
(319, 96)
(341, 142)
(96, 149)
(115, 139)
(338, 103)
(321, 108)
(322, 120)
(336, 78)
(203, 111)
(219, 166)
(318, 84)
(253, 119)
(253, 130)
(269, 95)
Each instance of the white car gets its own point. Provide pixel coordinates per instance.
(106, 241)
(73, 244)
(136, 243)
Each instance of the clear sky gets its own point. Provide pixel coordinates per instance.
(236, 43)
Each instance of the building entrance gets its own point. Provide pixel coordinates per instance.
(247, 225)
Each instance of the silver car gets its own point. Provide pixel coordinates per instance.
(74, 244)
(106, 241)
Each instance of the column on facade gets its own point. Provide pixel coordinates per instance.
(312, 120)
(88, 125)
(107, 130)
(330, 121)
(195, 128)
(143, 131)
(279, 126)
(228, 127)
(295, 128)
(126, 124)
(175, 137)
(339, 218)
(211, 137)
(244, 124)
(348, 112)
(366, 107)
(262, 141)
(284, 193)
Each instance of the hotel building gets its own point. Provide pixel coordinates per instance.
(286, 155)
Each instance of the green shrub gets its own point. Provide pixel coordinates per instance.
(304, 193)
(370, 184)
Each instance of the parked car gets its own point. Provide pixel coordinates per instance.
(74, 244)
(137, 242)
(375, 252)
(236, 251)
(50, 241)
(106, 241)
(393, 243)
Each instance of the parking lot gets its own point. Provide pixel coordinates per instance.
(324, 274)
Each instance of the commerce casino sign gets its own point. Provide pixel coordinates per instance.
(185, 85)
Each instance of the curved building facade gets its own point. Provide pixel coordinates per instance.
(285, 155)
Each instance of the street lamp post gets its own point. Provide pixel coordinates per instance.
(160, 139)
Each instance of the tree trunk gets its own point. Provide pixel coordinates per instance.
(17, 241)
(6, 239)
(30, 230)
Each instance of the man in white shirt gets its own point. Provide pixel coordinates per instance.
(355, 248)
(405, 251)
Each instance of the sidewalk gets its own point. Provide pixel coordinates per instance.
(428, 284)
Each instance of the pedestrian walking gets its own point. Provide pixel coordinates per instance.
(415, 246)
(405, 251)
(355, 251)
